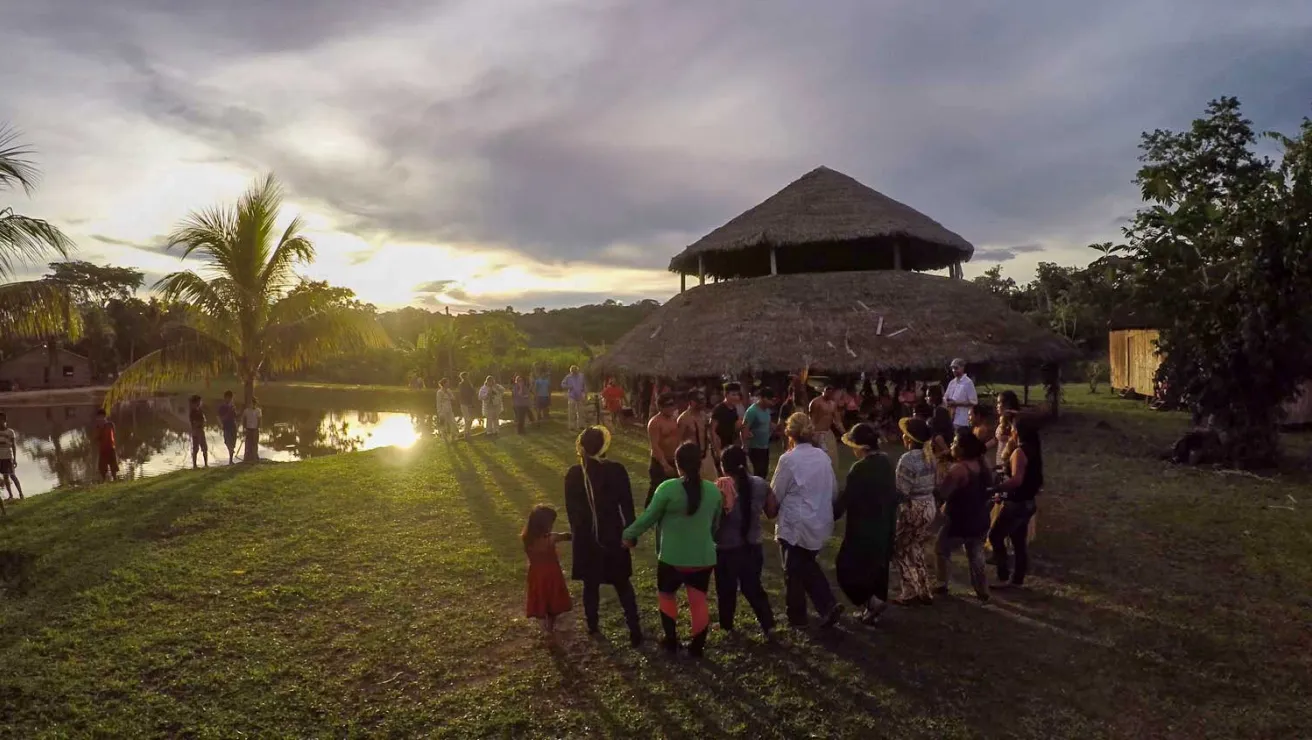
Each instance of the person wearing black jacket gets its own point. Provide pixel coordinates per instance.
(599, 505)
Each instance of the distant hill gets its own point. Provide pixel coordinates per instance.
(596, 324)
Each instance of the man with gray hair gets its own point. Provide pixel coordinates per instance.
(960, 396)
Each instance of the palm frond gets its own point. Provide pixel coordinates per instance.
(303, 331)
(35, 309)
(292, 248)
(15, 166)
(190, 356)
(206, 296)
(29, 241)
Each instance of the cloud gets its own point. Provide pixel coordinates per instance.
(576, 132)
(1004, 254)
(160, 246)
(435, 286)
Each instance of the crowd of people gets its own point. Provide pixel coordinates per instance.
(966, 478)
(463, 408)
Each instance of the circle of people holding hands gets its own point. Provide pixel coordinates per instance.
(712, 488)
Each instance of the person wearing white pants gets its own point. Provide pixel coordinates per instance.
(575, 393)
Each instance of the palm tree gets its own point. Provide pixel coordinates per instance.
(31, 308)
(247, 311)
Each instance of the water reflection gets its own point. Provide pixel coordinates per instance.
(55, 447)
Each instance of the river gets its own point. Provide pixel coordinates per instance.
(55, 447)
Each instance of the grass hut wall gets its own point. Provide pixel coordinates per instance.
(844, 322)
(824, 221)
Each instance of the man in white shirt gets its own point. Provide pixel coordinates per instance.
(804, 485)
(960, 396)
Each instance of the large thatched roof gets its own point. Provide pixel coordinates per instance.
(830, 321)
(823, 222)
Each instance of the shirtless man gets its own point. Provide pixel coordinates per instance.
(695, 427)
(663, 432)
(825, 416)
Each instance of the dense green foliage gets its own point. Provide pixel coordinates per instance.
(1223, 256)
(381, 594)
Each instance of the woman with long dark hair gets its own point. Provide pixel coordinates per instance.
(1016, 495)
(599, 504)
(687, 510)
(965, 492)
(739, 556)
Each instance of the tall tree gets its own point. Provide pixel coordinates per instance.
(246, 310)
(1224, 252)
(31, 308)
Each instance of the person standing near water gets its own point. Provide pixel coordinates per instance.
(227, 412)
(250, 418)
(468, 402)
(521, 400)
(196, 416)
(542, 394)
(491, 394)
(576, 393)
(446, 414)
(106, 446)
(9, 457)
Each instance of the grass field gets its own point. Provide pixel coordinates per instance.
(380, 594)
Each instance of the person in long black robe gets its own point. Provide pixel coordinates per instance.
(870, 501)
(599, 507)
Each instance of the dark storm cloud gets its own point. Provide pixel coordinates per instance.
(1004, 254)
(1011, 123)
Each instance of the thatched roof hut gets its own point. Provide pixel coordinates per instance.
(824, 221)
(844, 322)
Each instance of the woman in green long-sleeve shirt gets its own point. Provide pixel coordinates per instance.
(688, 511)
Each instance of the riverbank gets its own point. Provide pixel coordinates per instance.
(381, 593)
(54, 397)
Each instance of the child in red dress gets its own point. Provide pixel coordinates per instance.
(548, 596)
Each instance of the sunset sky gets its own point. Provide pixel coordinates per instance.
(484, 153)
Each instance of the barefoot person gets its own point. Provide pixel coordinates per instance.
(613, 397)
(227, 413)
(599, 503)
(825, 417)
(9, 458)
(196, 415)
(695, 427)
(575, 394)
(804, 485)
(250, 418)
(446, 412)
(663, 434)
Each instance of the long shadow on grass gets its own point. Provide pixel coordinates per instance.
(510, 486)
(500, 532)
(117, 521)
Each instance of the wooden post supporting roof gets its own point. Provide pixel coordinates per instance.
(897, 256)
(774, 267)
(701, 270)
(683, 281)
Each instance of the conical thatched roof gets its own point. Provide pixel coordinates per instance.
(830, 321)
(824, 222)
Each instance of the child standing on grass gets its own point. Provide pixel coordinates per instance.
(548, 597)
(106, 447)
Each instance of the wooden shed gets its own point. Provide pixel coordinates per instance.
(1133, 359)
(40, 369)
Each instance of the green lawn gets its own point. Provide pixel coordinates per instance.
(380, 594)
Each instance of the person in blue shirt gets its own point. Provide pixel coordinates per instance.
(759, 428)
(542, 395)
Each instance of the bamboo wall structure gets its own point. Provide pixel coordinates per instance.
(1133, 360)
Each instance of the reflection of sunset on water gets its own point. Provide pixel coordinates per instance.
(153, 437)
(397, 430)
